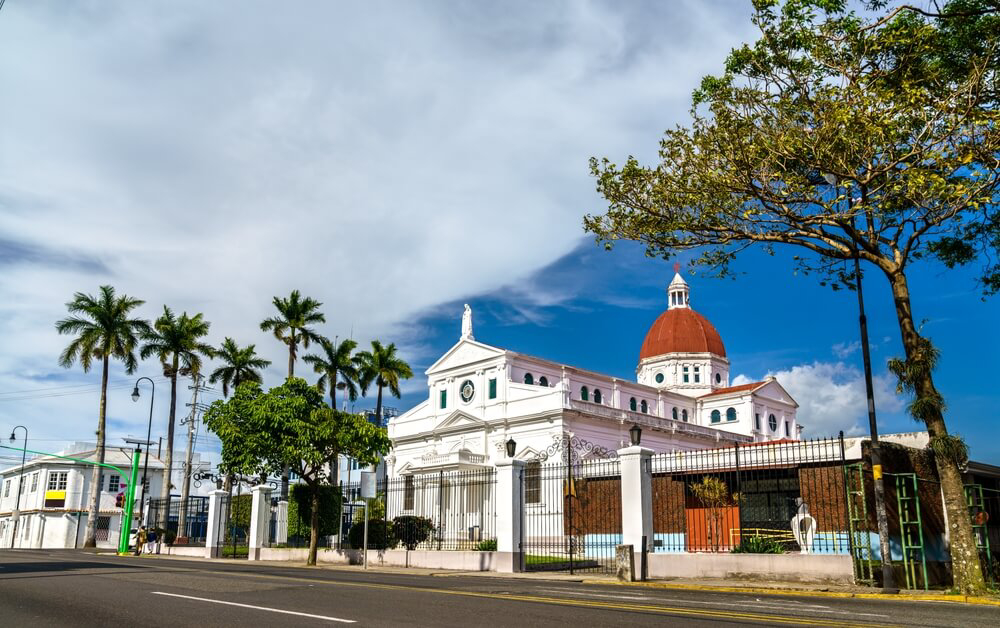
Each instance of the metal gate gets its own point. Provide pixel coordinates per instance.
(234, 525)
(572, 516)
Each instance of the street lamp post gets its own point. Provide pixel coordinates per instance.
(20, 481)
(149, 429)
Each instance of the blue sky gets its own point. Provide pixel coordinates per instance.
(393, 160)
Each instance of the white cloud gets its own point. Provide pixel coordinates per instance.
(844, 349)
(382, 157)
(831, 396)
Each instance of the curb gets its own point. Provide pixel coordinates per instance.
(908, 597)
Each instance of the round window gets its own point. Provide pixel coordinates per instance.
(468, 391)
(718, 378)
(659, 378)
(772, 422)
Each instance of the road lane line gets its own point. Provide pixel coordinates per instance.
(256, 608)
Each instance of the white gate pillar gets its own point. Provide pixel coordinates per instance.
(216, 510)
(637, 502)
(260, 520)
(510, 515)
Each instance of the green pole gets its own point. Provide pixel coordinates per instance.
(129, 503)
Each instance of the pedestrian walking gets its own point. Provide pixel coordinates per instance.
(140, 540)
(151, 538)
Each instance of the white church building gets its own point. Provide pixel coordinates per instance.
(479, 396)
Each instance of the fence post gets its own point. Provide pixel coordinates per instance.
(260, 520)
(637, 500)
(509, 515)
(281, 523)
(213, 540)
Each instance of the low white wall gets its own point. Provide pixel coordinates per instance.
(813, 568)
(181, 550)
(464, 561)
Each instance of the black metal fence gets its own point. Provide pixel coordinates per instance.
(187, 522)
(453, 510)
(572, 516)
(782, 496)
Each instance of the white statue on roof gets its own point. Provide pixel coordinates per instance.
(467, 323)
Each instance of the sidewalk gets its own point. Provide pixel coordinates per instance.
(679, 584)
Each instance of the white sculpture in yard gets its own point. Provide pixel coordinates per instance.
(804, 527)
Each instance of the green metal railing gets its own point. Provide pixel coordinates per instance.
(857, 509)
(911, 530)
(977, 504)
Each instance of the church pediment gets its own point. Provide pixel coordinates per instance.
(459, 419)
(465, 352)
(773, 390)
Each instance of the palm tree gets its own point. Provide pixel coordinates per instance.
(176, 342)
(336, 366)
(292, 325)
(103, 330)
(241, 365)
(385, 369)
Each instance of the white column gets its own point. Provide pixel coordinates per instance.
(216, 510)
(637, 501)
(260, 519)
(509, 515)
(281, 523)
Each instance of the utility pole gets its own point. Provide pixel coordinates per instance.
(197, 379)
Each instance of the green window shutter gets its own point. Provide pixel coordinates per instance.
(716, 416)
(493, 388)
(444, 398)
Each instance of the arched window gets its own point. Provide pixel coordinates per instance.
(731, 414)
(674, 413)
(584, 393)
(772, 422)
(684, 416)
(643, 407)
(528, 379)
(597, 396)
(716, 416)
(631, 404)
(543, 381)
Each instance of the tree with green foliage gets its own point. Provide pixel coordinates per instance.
(103, 329)
(336, 364)
(291, 427)
(292, 327)
(845, 137)
(384, 368)
(240, 364)
(176, 342)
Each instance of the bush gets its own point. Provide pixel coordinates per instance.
(489, 545)
(380, 535)
(758, 545)
(166, 536)
(411, 531)
(300, 510)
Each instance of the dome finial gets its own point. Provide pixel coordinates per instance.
(678, 292)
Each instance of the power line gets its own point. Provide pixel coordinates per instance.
(67, 393)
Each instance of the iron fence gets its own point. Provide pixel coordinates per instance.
(193, 514)
(760, 497)
(572, 515)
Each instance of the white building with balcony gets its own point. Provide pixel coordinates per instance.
(479, 396)
(55, 494)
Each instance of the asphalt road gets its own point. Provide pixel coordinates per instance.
(67, 588)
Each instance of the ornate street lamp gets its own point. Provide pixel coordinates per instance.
(20, 481)
(149, 429)
(634, 434)
(511, 447)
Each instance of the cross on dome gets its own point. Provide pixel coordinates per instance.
(678, 292)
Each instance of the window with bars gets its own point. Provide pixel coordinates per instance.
(34, 481)
(533, 483)
(57, 480)
(409, 492)
(114, 483)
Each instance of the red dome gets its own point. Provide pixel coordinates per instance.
(681, 330)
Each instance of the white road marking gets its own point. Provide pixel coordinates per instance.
(257, 608)
(785, 605)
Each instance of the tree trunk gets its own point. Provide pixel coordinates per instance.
(314, 524)
(285, 471)
(966, 571)
(168, 461)
(335, 465)
(96, 477)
